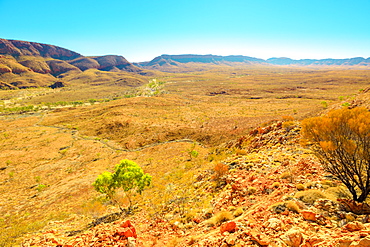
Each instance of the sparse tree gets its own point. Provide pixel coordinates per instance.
(128, 176)
(192, 152)
(341, 139)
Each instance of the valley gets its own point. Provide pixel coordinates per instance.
(56, 141)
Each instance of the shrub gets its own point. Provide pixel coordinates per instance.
(341, 140)
(128, 176)
(239, 211)
(286, 175)
(41, 187)
(276, 185)
(338, 192)
(289, 125)
(292, 206)
(220, 170)
(310, 196)
(278, 207)
(219, 218)
(192, 153)
(300, 187)
(324, 104)
(252, 190)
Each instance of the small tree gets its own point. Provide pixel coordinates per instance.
(192, 152)
(128, 176)
(341, 139)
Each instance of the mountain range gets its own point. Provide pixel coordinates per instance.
(165, 62)
(26, 64)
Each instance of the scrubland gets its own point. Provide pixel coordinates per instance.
(51, 154)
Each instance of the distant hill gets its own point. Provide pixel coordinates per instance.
(183, 63)
(169, 63)
(26, 64)
(175, 59)
(356, 61)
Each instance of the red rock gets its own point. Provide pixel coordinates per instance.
(228, 227)
(127, 230)
(354, 226)
(309, 215)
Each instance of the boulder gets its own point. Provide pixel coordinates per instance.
(309, 215)
(127, 230)
(293, 237)
(275, 224)
(354, 226)
(228, 227)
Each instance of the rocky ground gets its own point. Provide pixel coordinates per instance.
(275, 193)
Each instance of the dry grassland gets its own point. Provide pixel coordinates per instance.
(49, 159)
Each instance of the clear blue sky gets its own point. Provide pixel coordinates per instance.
(143, 29)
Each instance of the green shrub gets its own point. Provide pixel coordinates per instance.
(128, 176)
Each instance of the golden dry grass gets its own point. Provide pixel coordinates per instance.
(49, 160)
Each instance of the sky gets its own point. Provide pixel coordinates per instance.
(143, 29)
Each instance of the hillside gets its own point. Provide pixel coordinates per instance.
(17, 48)
(274, 192)
(30, 65)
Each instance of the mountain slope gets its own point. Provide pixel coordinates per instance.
(28, 64)
(18, 48)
